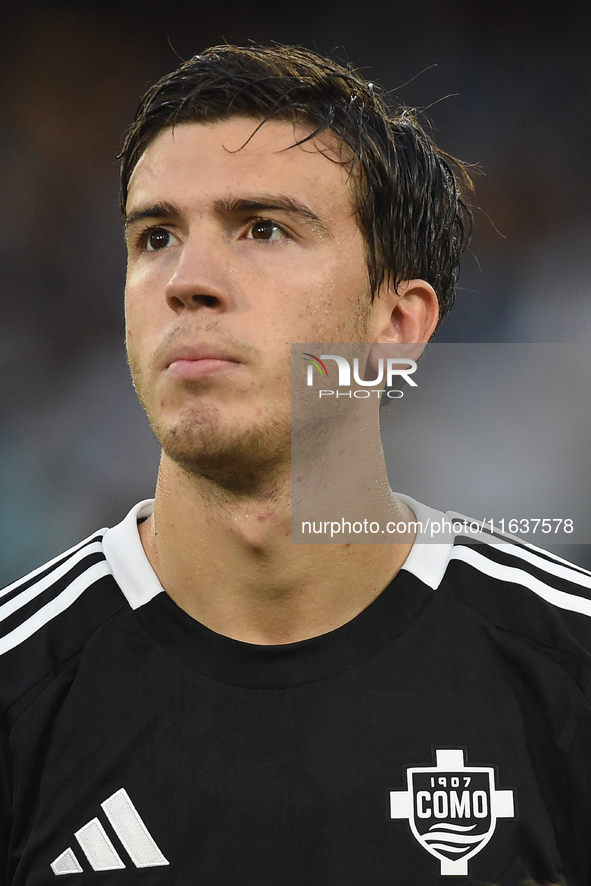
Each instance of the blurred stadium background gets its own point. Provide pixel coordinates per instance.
(505, 85)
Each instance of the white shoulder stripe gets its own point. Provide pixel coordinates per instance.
(518, 576)
(560, 568)
(497, 536)
(54, 607)
(25, 597)
(11, 587)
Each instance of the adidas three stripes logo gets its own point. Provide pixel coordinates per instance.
(98, 846)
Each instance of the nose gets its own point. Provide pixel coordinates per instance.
(200, 279)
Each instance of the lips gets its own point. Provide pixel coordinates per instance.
(199, 361)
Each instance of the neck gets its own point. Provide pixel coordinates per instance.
(227, 557)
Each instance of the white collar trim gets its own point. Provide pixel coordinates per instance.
(127, 559)
(138, 581)
(428, 560)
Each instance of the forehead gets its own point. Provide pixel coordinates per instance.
(240, 154)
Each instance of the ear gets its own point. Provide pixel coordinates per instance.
(402, 321)
(404, 315)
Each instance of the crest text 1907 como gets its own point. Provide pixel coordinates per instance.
(452, 809)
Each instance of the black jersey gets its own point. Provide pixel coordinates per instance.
(441, 736)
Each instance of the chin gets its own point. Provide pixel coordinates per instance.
(228, 453)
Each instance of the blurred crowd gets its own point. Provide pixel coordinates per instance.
(503, 89)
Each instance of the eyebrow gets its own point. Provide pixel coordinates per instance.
(267, 202)
(233, 206)
(156, 210)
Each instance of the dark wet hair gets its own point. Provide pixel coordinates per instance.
(408, 194)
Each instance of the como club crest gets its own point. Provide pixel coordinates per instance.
(452, 809)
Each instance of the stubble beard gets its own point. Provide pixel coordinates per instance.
(236, 458)
(206, 444)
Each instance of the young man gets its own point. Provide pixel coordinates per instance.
(191, 698)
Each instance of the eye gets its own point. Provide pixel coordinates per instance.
(158, 238)
(265, 229)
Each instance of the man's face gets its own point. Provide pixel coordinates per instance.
(237, 248)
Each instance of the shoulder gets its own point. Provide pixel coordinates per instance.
(512, 584)
(516, 564)
(50, 615)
